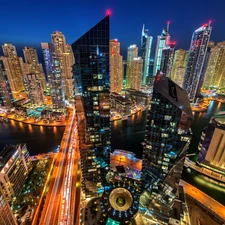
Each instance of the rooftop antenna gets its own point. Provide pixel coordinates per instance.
(168, 26)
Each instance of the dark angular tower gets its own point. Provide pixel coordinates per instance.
(166, 142)
(91, 76)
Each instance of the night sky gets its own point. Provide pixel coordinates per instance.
(29, 22)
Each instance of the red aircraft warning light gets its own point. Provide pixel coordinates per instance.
(108, 12)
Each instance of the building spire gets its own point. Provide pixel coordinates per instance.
(168, 26)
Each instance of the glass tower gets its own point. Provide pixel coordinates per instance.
(162, 41)
(91, 73)
(146, 44)
(167, 59)
(166, 141)
(196, 58)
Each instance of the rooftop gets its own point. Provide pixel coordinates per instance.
(174, 93)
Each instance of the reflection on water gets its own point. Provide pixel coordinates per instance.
(39, 139)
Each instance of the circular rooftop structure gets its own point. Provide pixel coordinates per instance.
(120, 201)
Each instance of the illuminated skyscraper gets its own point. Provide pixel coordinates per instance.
(165, 145)
(34, 89)
(13, 67)
(132, 52)
(136, 73)
(6, 214)
(6, 97)
(162, 41)
(32, 62)
(91, 73)
(179, 65)
(167, 59)
(15, 165)
(66, 59)
(196, 58)
(146, 44)
(211, 146)
(53, 71)
(116, 67)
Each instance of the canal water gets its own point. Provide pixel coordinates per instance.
(127, 135)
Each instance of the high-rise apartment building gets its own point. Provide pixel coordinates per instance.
(13, 66)
(179, 66)
(146, 45)
(116, 67)
(66, 59)
(166, 142)
(34, 89)
(32, 62)
(196, 58)
(162, 41)
(132, 52)
(136, 73)
(91, 73)
(14, 168)
(53, 71)
(6, 214)
(211, 146)
(167, 59)
(6, 97)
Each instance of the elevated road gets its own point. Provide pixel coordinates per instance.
(59, 207)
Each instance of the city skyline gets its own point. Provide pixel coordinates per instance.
(26, 34)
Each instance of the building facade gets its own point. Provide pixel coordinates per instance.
(165, 145)
(6, 97)
(116, 67)
(13, 66)
(32, 65)
(132, 52)
(6, 214)
(136, 73)
(65, 56)
(91, 74)
(162, 41)
(146, 45)
(196, 59)
(179, 66)
(34, 89)
(167, 59)
(53, 71)
(211, 146)
(14, 166)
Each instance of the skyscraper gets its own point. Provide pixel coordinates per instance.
(196, 58)
(66, 59)
(13, 67)
(6, 214)
(166, 142)
(179, 65)
(6, 97)
(167, 59)
(31, 59)
(53, 71)
(15, 165)
(132, 52)
(116, 67)
(34, 89)
(91, 73)
(146, 45)
(136, 73)
(162, 41)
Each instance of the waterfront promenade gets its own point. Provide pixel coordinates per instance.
(36, 123)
